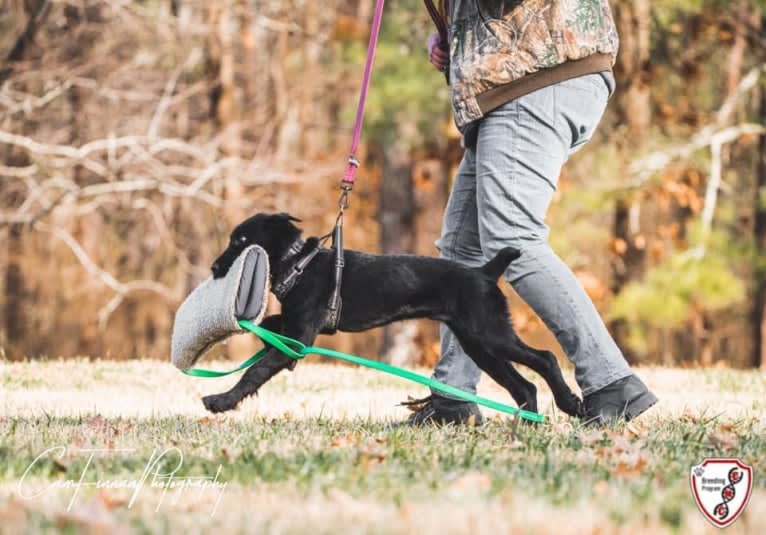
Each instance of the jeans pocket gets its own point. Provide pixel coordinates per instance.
(592, 83)
(582, 102)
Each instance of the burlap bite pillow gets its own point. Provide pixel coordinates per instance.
(210, 313)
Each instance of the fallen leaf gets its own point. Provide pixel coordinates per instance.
(633, 430)
(91, 518)
(110, 502)
(589, 438)
(627, 468)
(13, 514)
(343, 441)
(723, 441)
(60, 465)
(370, 456)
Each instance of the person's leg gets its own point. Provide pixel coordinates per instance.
(459, 242)
(516, 161)
(521, 147)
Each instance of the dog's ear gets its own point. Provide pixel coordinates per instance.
(288, 217)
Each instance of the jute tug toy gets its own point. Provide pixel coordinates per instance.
(236, 303)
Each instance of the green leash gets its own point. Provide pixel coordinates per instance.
(297, 350)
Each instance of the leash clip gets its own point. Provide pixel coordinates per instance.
(343, 201)
(347, 183)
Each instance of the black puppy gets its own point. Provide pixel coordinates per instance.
(377, 290)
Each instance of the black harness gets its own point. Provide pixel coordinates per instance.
(282, 286)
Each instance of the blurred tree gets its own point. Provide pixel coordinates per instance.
(758, 315)
(16, 298)
(632, 70)
(134, 134)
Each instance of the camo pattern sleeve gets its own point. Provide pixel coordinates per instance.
(497, 42)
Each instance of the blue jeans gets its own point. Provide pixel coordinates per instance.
(502, 191)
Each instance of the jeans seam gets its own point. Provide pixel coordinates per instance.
(460, 220)
(564, 291)
(612, 377)
(512, 171)
(453, 242)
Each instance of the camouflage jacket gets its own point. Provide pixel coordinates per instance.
(498, 48)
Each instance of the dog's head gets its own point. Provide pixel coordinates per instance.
(274, 232)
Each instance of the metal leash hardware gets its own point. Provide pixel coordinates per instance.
(347, 183)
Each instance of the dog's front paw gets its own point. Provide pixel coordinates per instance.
(219, 402)
(579, 407)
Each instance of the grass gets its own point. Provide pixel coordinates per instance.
(315, 452)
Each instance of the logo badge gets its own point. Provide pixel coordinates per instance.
(721, 488)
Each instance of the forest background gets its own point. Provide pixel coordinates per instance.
(135, 134)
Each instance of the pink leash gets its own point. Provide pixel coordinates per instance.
(347, 183)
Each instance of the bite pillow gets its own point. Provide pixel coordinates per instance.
(210, 313)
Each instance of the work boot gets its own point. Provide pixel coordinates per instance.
(623, 399)
(439, 410)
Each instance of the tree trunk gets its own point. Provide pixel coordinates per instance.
(14, 317)
(13, 311)
(396, 237)
(759, 233)
(632, 104)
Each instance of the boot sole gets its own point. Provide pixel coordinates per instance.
(639, 405)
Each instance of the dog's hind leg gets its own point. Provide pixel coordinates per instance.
(522, 391)
(502, 342)
(497, 341)
(545, 363)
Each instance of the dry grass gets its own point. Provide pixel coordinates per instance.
(314, 453)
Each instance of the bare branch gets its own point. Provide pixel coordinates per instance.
(745, 85)
(25, 171)
(121, 289)
(167, 93)
(644, 168)
(30, 103)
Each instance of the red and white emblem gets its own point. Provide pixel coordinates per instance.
(721, 488)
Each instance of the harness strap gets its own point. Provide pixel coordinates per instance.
(293, 250)
(336, 303)
(283, 287)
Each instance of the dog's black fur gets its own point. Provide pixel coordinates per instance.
(378, 290)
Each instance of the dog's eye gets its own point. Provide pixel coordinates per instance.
(242, 239)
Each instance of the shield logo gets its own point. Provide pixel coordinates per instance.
(721, 488)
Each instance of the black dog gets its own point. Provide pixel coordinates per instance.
(378, 290)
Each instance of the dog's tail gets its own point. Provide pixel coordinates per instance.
(495, 267)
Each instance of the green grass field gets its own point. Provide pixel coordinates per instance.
(315, 452)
